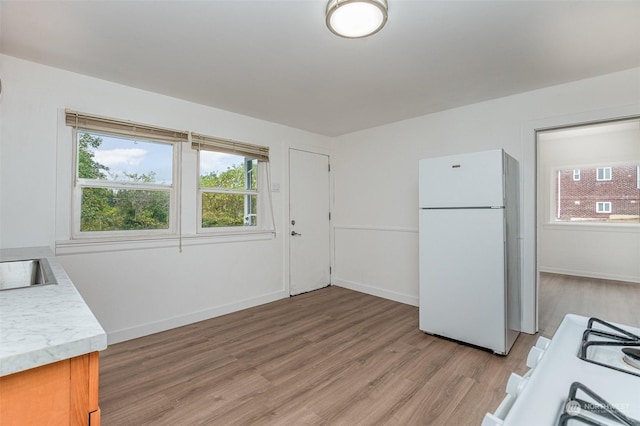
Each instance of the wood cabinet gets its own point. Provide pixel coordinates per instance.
(62, 393)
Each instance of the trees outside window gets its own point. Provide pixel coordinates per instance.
(228, 197)
(122, 196)
(128, 177)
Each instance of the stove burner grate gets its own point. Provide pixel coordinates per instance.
(618, 337)
(631, 357)
(575, 408)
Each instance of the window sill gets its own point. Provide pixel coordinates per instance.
(104, 245)
(595, 227)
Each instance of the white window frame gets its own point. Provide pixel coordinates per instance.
(606, 174)
(603, 207)
(183, 217)
(264, 214)
(246, 192)
(79, 184)
(576, 174)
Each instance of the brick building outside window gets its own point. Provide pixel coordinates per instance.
(599, 194)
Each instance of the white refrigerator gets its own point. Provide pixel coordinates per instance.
(469, 249)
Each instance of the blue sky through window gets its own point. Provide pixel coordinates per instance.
(126, 156)
(217, 162)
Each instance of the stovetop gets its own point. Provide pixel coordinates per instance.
(602, 344)
(586, 407)
(546, 396)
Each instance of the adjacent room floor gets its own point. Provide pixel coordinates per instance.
(333, 356)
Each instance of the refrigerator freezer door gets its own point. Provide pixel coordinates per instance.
(465, 180)
(462, 276)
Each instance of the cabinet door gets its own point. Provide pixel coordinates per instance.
(39, 396)
(94, 418)
(84, 388)
(62, 393)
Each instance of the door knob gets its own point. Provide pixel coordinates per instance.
(294, 233)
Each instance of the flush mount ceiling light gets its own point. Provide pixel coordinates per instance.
(356, 18)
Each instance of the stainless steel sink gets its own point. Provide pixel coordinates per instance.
(25, 273)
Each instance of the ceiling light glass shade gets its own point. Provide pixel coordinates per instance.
(356, 18)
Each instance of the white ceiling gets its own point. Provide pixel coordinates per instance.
(275, 59)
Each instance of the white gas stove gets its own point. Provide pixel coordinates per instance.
(579, 377)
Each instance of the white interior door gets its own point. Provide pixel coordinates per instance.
(309, 232)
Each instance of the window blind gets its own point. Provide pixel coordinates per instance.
(209, 143)
(122, 127)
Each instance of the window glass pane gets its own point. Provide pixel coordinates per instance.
(575, 199)
(604, 173)
(576, 174)
(106, 209)
(114, 158)
(219, 170)
(220, 209)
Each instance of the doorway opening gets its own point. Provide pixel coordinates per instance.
(588, 220)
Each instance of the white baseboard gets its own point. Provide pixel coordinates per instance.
(167, 324)
(590, 274)
(375, 291)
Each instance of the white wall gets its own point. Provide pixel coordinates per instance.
(376, 171)
(139, 291)
(135, 292)
(609, 251)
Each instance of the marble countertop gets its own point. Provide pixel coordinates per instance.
(44, 324)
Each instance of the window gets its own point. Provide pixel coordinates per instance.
(232, 185)
(128, 177)
(228, 190)
(575, 202)
(603, 173)
(124, 177)
(575, 178)
(576, 174)
(123, 184)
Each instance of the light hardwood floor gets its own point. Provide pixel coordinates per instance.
(331, 357)
(615, 301)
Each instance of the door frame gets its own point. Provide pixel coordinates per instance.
(530, 193)
(287, 217)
